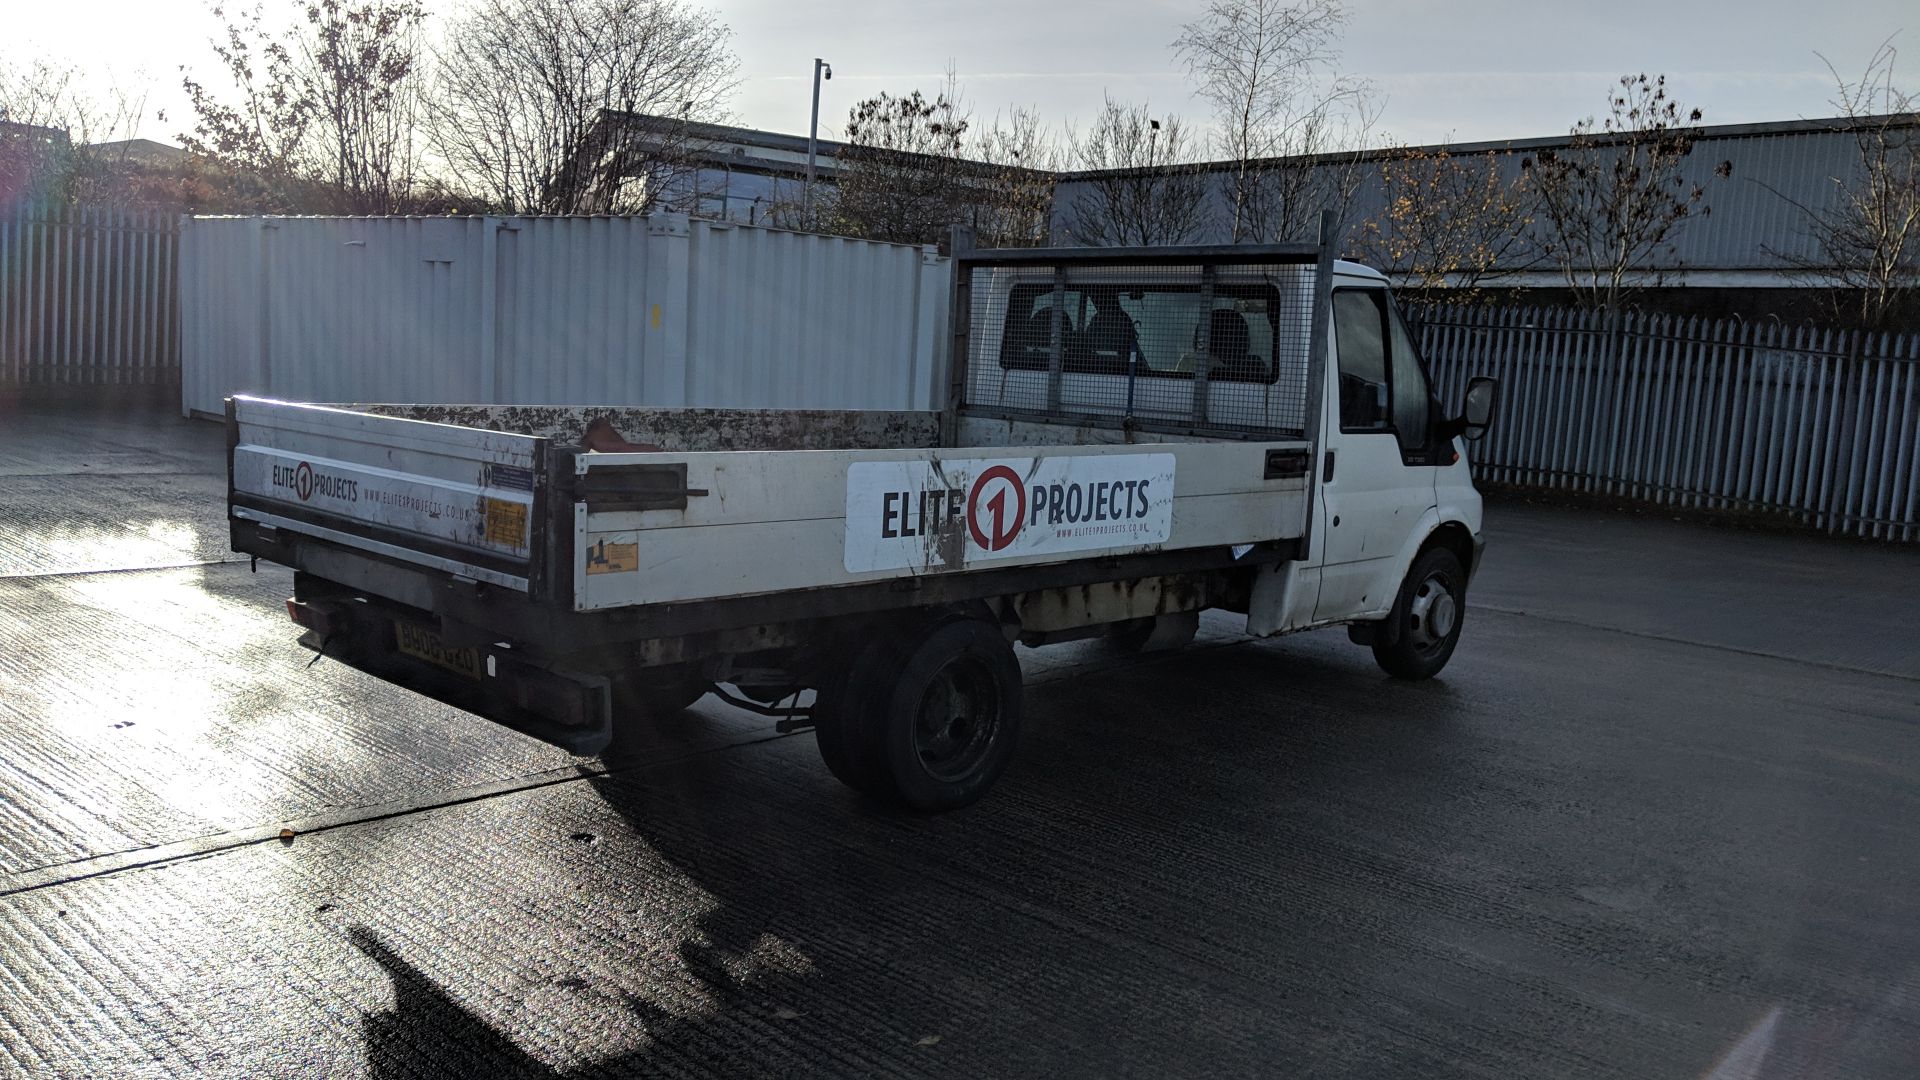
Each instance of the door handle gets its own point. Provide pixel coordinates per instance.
(1326, 471)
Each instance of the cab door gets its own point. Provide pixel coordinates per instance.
(1378, 466)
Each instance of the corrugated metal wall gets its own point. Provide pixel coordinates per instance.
(1755, 222)
(1819, 426)
(87, 299)
(556, 311)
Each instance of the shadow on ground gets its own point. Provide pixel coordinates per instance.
(1254, 860)
(1088, 919)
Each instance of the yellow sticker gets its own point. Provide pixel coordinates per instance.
(613, 553)
(506, 523)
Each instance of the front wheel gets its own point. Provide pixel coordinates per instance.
(1419, 634)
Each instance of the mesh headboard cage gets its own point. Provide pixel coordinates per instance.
(1216, 341)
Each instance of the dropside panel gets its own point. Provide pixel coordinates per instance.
(763, 522)
(456, 499)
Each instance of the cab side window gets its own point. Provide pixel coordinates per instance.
(1359, 328)
(1411, 407)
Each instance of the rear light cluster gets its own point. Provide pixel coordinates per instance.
(316, 617)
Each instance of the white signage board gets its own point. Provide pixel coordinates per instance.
(952, 513)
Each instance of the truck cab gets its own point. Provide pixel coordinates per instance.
(1154, 351)
(1394, 482)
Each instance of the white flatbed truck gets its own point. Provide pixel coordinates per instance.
(1132, 436)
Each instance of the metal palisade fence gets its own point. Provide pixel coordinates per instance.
(88, 298)
(1816, 426)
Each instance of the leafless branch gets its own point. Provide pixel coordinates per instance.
(577, 106)
(1451, 220)
(1615, 199)
(1145, 189)
(1269, 69)
(1865, 238)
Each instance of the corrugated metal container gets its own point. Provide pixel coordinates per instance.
(555, 311)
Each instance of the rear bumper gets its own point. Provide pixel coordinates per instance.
(1479, 549)
(571, 710)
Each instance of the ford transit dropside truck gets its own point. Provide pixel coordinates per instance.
(1129, 437)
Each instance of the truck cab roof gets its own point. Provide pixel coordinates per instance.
(1354, 269)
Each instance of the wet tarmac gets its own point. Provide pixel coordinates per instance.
(1656, 819)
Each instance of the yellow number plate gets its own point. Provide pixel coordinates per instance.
(424, 644)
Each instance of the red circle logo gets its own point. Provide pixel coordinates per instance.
(989, 498)
(303, 481)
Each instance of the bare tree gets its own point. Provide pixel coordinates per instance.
(1616, 198)
(902, 176)
(913, 166)
(36, 148)
(361, 70)
(49, 124)
(265, 133)
(323, 110)
(1013, 206)
(1866, 239)
(1143, 188)
(1324, 166)
(1269, 69)
(1451, 220)
(578, 106)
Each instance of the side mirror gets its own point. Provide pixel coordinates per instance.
(1476, 415)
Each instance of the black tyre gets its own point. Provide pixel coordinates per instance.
(1419, 634)
(834, 702)
(929, 718)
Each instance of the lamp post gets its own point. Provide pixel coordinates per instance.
(821, 70)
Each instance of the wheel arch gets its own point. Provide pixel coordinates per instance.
(1453, 536)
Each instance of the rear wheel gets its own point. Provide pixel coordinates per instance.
(927, 718)
(1420, 633)
(837, 699)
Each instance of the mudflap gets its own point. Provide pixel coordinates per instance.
(571, 710)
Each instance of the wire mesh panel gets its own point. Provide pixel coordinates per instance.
(1211, 347)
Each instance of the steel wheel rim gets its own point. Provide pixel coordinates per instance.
(1433, 613)
(956, 720)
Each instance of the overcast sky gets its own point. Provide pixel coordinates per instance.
(1448, 69)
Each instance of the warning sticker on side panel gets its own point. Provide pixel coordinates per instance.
(506, 522)
(613, 552)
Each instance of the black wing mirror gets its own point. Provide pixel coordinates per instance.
(1476, 414)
